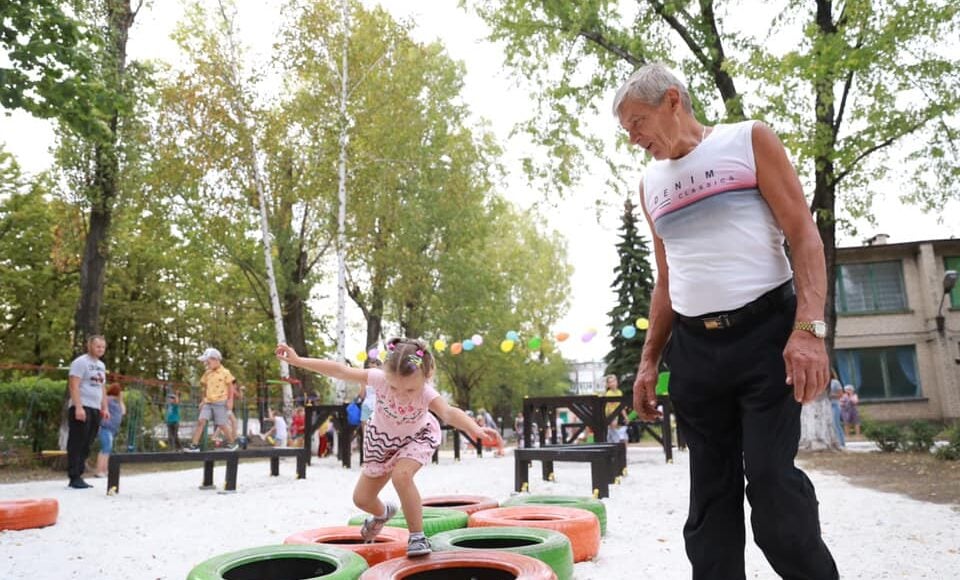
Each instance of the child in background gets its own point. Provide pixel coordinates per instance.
(277, 435)
(848, 409)
(401, 435)
(173, 420)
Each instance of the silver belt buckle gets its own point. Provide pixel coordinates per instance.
(716, 322)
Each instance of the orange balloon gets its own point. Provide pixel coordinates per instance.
(456, 348)
(562, 336)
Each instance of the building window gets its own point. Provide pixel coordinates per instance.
(872, 287)
(880, 373)
(953, 263)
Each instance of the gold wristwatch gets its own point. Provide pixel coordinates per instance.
(817, 328)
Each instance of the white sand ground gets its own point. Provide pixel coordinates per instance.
(161, 524)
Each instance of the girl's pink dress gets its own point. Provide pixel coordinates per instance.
(399, 428)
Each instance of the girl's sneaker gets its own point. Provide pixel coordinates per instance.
(371, 526)
(418, 546)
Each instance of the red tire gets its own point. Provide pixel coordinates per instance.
(391, 542)
(457, 565)
(465, 503)
(581, 526)
(22, 514)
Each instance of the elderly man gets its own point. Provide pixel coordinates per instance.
(740, 328)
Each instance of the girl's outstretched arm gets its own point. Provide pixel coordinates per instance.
(329, 368)
(457, 418)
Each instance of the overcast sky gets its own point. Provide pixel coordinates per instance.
(493, 97)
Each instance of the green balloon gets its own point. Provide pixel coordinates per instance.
(534, 343)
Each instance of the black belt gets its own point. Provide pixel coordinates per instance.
(765, 304)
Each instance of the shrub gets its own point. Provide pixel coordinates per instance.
(887, 436)
(32, 409)
(920, 436)
(950, 451)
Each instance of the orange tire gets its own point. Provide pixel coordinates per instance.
(391, 542)
(466, 564)
(464, 503)
(580, 526)
(22, 514)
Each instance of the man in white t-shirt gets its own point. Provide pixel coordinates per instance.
(87, 384)
(741, 332)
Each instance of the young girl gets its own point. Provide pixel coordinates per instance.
(401, 435)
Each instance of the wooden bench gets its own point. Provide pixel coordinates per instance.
(232, 459)
(607, 463)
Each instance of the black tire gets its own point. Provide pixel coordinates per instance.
(286, 561)
(435, 520)
(585, 503)
(548, 546)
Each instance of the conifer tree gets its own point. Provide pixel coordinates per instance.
(634, 286)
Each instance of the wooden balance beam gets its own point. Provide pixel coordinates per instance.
(607, 463)
(232, 459)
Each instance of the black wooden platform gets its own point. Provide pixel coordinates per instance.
(591, 412)
(607, 463)
(231, 458)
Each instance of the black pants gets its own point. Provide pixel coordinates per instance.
(79, 439)
(739, 419)
(173, 435)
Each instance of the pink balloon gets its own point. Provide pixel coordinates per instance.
(587, 337)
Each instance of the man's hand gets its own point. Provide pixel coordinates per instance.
(79, 413)
(808, 368)
(645, 394)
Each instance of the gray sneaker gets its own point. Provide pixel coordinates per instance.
(419, 546)
(372, 525)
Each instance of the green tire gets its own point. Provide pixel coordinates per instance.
(285, 561)
(435, 520)
(550, 547)
(585, 503)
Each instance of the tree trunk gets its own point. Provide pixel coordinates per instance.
(374, 324)
(106, 182)
(817, 432)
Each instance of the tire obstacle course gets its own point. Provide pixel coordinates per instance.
(24, 514)
(539, 538)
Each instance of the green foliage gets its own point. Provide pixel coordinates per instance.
(950, 451)
(55, 72)
(888, 436)
(32, 408)
(634, 286)
(919, 436)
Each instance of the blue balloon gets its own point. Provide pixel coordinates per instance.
(512, 335)
(629, 331)
(468, 344)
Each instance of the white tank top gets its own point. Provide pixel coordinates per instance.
(723, 245)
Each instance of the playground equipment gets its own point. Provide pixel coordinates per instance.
(23, 514)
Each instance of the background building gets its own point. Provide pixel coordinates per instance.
(898, 333)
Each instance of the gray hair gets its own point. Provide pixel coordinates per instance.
(648, 84)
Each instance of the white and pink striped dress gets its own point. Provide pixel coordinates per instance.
(399, 428)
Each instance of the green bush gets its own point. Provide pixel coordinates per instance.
(887, 436)
(32, 409)
(920, 436)
(950, 451)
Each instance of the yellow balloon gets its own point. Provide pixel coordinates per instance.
(643, 323)
(382, 355)
(361, 356)
(506, 345)
(439, 345)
